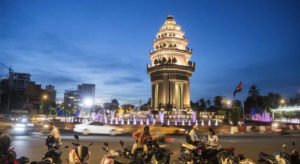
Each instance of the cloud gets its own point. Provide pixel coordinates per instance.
(124, 80)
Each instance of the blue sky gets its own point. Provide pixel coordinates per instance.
(66, 43)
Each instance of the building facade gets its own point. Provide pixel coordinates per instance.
(52, 93)
(19, 81)
(86, 91)
(170, 69)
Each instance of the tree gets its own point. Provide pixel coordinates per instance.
(253, 91)
(208, 103)
(235, 115)
(202, 103)
(217, 102)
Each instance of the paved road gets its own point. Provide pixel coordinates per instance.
(248, 144)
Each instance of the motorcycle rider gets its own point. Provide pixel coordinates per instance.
(55, 132)
(7, 154)
(141, 136)
(194, 135)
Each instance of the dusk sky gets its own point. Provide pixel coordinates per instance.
(107, 43)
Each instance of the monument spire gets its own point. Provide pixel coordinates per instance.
(170, 68)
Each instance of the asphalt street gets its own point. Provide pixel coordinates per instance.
(250, 145)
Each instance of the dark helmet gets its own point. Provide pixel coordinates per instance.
(146, 128)
(4, 143)
(50, 140)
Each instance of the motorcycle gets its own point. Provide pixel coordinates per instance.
(52, 156)
(79, 154)
(281, 158)
(115, 157)
(191, 153)
(12, 157)
(294, 155)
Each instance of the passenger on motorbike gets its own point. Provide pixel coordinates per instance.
(55, 132)
(213, 142)
(141, 136)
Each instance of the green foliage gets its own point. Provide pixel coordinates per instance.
(235, 115)
(221, 112)
(217, 102)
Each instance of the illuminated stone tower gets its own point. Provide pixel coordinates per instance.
(170, 69)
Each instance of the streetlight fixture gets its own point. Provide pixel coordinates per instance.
(45, 97)
(282, 101)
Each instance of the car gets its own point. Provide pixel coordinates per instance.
(166, 130)
(6, 125)
(95, 127)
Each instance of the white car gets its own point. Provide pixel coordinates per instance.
(97, 128)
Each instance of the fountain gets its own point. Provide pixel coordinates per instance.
(202, 123)
(258, 116)
(196, 123)
(122, 121)
(216, 123)
(147, 121)
(153, 121)
(175, 122)
(112, 116)
(111, 121)
(168, 122)
(142, 122)
(194, 117)
(105, 120)
(183, 122)
(209, 122)
(161, 117)
(128, 121)
(117, 121)
(190, 123)
(134, 121)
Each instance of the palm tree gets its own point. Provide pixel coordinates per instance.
(202, 104)
(208, 103)
(217, 102)
(254, 93)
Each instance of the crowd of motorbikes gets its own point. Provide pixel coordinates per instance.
(189, 153)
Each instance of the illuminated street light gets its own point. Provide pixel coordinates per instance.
(88, 102)
(282, 101)
(228, 102)
(45, 97)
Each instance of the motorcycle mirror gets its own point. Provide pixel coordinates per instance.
(122, 143)
(91, 143)
(293, 143)
(66, 147)
(105, 143)
(103, 148)
(76, 137)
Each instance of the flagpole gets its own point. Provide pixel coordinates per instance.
(243, 109)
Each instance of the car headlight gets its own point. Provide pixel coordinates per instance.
(182, 130)
(30, 125)
(19, 127)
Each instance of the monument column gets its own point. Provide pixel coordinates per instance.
(170, 69)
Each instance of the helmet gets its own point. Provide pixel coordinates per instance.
(50, 140)
(4, 143)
